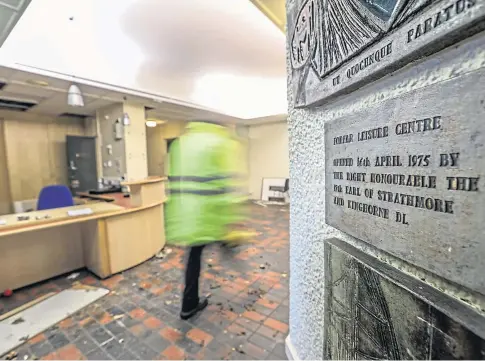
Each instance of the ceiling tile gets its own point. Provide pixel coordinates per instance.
(97, 104)
(28, 90)
(5, 72)
(25, 77)
(90, 90)
(17, 96)
(54, 105)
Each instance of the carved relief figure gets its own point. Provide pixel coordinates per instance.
(342, 28)
(328, 33)
(303, 39)
(370, 317)
(360, 322)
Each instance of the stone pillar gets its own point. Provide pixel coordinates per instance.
(386, 109)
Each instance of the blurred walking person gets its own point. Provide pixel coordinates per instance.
(200, 194)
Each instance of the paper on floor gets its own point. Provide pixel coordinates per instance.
(24, 325)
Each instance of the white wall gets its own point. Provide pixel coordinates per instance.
(268, 155)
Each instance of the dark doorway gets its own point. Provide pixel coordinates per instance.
(169, 143)
(81, 163)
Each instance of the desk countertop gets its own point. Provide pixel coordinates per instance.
(56, 215)
(59, 216)
(117, 198)
(144, 181)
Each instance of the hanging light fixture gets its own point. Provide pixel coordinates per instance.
(74, 96)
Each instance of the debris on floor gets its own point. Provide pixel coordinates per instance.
(17, 321)
(18, 328)
(240, 350)
(260, 203)
(164, 252)
(73, 276)
(143, 305)
(11, 356)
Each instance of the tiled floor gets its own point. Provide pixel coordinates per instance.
(247, 317)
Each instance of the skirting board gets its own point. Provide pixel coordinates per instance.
(290, 350)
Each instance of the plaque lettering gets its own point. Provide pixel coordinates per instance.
(411, 183)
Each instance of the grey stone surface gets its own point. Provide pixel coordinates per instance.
(307, 172)
(415, 188)
(336, 46)
(374, 311)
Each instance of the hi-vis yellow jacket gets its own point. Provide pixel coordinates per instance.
(202, 202)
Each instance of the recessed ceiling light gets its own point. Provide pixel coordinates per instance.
(158, 121)
(38, 82)
(151, 123)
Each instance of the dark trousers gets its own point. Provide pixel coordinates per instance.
(192, 274)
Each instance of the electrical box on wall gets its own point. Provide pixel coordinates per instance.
(118, 129)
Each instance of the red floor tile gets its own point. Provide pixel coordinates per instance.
(139, 319)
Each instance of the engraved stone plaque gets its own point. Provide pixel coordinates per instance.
(407, 176)
(375, 312)
(336, 46)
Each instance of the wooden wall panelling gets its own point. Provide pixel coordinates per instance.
(5, 199)
(36, 154)
(56, 142)
(27, 158)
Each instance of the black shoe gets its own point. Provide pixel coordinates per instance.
(188, 314)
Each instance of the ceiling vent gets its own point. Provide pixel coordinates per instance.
(16, 105)
(75, 116)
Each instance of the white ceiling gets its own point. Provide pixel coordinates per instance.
(51, 99)
(219, 54)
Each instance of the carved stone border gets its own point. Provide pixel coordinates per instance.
(416, 38)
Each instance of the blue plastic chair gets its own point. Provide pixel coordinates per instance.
(55, 196)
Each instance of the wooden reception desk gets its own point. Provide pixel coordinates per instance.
(112, 238)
